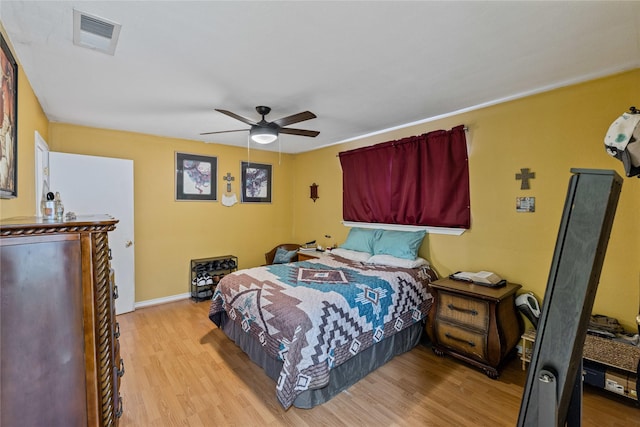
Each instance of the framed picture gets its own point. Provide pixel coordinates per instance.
(196, 177)
(256, 183)
(9, 122)
(525, 204)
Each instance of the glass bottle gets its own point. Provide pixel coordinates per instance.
(59, 207)
(49, 207)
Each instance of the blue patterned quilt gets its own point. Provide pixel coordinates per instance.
(314, 315)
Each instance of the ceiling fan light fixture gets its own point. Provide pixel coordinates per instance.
(263, 135)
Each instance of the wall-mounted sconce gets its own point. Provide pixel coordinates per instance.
(314, 192)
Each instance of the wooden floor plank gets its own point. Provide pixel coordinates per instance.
(181, 370)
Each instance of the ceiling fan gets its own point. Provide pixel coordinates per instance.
(264, 132)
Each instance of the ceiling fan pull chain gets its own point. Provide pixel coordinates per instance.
(248, 150)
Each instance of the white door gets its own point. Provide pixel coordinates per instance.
(101, 185)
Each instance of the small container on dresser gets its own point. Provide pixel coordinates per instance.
(59, 344)
(474, 323)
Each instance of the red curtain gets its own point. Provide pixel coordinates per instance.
(419, 180)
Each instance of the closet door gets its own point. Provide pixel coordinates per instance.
(41, 332)
(92, 184)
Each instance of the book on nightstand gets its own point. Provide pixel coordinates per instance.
(484, 278)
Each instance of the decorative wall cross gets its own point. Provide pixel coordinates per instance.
(228, 178)
(525, 176)
(314, 192)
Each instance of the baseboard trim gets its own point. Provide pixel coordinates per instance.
(163, 300)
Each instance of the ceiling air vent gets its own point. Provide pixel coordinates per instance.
(94, 32)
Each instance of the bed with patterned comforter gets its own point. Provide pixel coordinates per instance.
(314, 315)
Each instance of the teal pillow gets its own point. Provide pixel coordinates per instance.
(283, 256)
(401, 244)
(361, 239)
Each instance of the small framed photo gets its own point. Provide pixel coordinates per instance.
(9, 122)
(525, 204)
(256, 182)
(196, 177)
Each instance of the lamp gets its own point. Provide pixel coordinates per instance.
(263, 134)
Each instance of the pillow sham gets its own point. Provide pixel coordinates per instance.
(401, 244)
(283, 256)
(361, 239)
(392, 261)
(352, 255)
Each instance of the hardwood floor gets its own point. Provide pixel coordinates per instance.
(181, 370)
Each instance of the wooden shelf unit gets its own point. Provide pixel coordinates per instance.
(618, 359)
(210, 270)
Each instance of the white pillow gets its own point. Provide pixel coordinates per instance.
(352, 255)
(393, 261)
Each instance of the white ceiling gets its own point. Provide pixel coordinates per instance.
(360, 66)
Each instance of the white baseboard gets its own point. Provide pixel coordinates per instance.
(163, 300)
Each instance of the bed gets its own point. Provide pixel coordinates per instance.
(316, 327)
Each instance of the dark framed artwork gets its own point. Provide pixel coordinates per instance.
(256, 182)
(9, 122)
(196, 177)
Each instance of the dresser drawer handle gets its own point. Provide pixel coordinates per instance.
(120, 407)
(451, 337)
(121, 370)
(116, 334)
(464, 310)
(115, 292)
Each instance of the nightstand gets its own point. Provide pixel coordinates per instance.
(307, 255)
(474, 323)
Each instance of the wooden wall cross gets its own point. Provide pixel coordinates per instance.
(525, 176)
(228, 178)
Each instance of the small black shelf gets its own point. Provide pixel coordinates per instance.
(205, 273)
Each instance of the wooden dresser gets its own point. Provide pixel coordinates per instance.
(474, 323)
(59, 350)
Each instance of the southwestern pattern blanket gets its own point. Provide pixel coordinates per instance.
(316, 314)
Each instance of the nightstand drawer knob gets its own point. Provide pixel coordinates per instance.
(464, 310)
(451, 337)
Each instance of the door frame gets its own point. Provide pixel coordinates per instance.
(42, 170)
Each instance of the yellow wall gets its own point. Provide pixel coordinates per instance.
(31, 118)
(169, 233)
(549, 133)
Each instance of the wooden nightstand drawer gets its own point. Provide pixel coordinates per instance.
(305, 256)
(464, 310)
(470, 342)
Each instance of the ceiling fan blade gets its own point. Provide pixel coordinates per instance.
(224, 131)
(237, 117)
(301, 132)
(295, 118)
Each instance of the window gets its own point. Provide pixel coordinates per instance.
(420, 180)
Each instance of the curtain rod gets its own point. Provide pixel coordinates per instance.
(465, 128)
